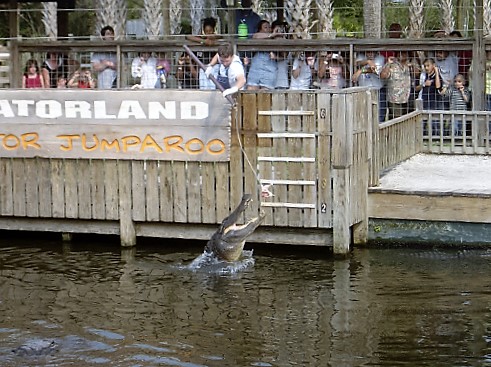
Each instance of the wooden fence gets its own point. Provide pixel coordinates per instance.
(311, 147)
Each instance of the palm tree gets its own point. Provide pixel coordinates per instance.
(113, 13)
(487, 17)
(325, 16)
(197, 13)
(448, 23)
(297, 14)
(175, 15)
(416, 18)
(152, 16)
(50, 20)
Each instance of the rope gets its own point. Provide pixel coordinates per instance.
(246, 158)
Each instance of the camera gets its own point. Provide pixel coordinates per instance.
(301, 56)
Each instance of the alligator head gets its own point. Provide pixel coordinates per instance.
(228, 241)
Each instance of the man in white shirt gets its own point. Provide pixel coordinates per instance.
(231, 75)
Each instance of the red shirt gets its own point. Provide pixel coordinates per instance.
(33, 82)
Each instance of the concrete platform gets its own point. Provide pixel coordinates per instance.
(433, 199)
(439, 173)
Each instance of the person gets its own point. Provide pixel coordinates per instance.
(105, 63)
(398, 76)
(53, 68)
(231, 75)
(369, 64)
(82, 79)
(207, 38)
(187, 72)
(61, 82)
(144, 67)
(448, 64)
(460, 97)
(331, 71)
(304, 69)
(429, 85)
(464, 56)
(488, 81)
(395, 32)
(263, 70)
(32, 77)
(280, 29)
(246, 20)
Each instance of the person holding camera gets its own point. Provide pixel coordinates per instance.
(144, 67)
(81, 78)
(304, 69)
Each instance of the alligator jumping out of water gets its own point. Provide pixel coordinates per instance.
(228, 241)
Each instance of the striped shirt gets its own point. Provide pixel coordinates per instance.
(457, 101)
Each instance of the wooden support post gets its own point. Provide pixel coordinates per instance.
(342, 161)
(66, 237)
(127, 231)
(341, 217)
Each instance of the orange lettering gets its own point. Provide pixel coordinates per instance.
(30, 139)
(84, 143)
(10, 137)
(110, 145)
(150, 142)
(217, 142)
(197, 141)
(130, 141)
(70, 141)
(175, 145)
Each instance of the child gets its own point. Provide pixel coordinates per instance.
(459, 96)
(81, 79)
(32, 77)
(429, 85)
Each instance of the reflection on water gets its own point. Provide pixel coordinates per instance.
(84, 305)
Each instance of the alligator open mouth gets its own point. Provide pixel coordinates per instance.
(228, 241)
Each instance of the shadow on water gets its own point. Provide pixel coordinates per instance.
(91, 303)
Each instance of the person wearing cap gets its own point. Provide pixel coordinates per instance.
(331, 71)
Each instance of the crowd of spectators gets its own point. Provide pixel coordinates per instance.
(404, 79)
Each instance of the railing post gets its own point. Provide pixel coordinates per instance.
(127, 230)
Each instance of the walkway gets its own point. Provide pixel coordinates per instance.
(443, 174)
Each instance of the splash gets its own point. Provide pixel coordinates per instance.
(208, 263)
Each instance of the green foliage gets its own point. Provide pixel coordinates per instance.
(348, 17)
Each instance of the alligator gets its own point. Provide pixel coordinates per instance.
(36, 347)
(228, 241)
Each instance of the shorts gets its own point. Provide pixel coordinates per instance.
(263, 71)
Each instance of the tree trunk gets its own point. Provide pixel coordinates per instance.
(50, 20)
(416, 19)
(372, 18)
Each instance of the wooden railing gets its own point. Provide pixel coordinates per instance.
(456, 132)
(395, 141)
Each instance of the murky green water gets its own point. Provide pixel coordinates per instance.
(104, 307)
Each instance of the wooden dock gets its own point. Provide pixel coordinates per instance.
(173, 164)
(440, 194)
(76, 162)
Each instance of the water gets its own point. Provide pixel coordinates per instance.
(91, 304)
